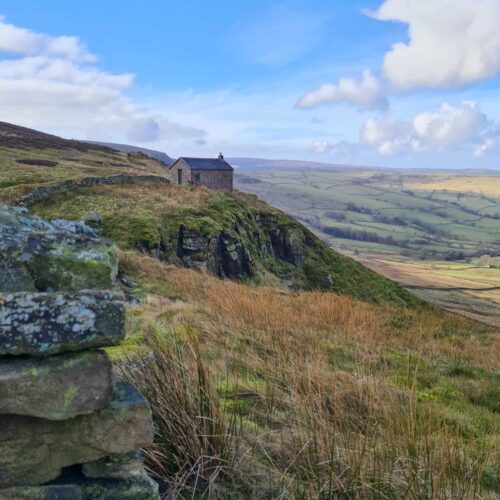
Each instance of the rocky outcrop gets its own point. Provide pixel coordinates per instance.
(235, 254)
(36, 255)
(64, 422)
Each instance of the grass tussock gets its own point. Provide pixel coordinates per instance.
(259, 393)
(196, 437)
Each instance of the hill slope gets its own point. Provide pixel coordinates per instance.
(29, 159)
(234, 236)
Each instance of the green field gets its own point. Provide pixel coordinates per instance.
(386, 211)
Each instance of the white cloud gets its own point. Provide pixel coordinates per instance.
(451, 42)
(366, 94)
(322, 147)
(54, 84)
(489, 144)
(340, 148)
(448, 128)
(15, 40)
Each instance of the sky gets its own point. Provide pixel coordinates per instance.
(400, 83)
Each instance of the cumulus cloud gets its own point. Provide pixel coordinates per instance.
(449, 127)
(365, 94)
(54, 83)
(451, 42)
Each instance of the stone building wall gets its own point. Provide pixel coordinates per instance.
(214, 179)
(174, 174)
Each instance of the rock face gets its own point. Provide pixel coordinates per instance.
(43, 324)
(36, 255)
(58, 388)
(59, 405)
(235, 254)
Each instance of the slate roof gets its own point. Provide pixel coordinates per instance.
(205, 163)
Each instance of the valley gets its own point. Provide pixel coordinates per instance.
(426, 230)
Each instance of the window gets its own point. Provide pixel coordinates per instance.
(197, 178)
(179, 176)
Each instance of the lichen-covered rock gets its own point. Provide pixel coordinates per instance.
(134, 488)
(36, 255)
(33, 451)
(120, 466)
(56, 388)
(43, 324)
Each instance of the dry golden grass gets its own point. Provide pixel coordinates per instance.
(332, 394)
(160, 199)
(323, 317)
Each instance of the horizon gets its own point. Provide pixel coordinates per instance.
(400, 84)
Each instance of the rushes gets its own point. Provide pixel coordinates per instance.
(259, 393)
(195, 438)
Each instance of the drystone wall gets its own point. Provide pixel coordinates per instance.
(46, 192)
(68, 430)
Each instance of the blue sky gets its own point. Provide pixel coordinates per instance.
(381, 82)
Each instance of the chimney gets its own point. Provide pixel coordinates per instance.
(221, 156)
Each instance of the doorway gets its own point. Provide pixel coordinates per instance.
(179, 176)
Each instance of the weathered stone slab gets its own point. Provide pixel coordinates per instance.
(33, 451)
(56, 388)
(56, 492)
(43, 324)
(135, 488)
(36, 255)
(121, 466)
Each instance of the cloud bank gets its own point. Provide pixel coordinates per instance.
(54, 83)
(432, 131)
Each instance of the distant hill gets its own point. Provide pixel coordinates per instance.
(14, 136)
(127, 148)
(266, 164)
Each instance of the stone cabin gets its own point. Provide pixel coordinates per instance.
(213, 173)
